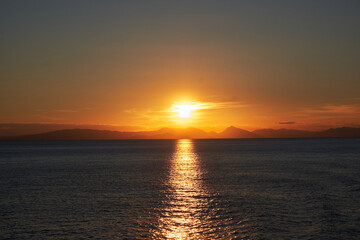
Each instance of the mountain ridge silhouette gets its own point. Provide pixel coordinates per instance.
(191, 132)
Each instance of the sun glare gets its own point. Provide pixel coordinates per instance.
(184, 110)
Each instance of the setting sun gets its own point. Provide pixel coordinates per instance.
(184, 110)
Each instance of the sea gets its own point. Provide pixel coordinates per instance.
(180, 189)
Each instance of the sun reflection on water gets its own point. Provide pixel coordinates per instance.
(186, 211)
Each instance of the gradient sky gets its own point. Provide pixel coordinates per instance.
(253, 64)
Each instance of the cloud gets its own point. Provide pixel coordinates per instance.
(332, 109)
(287, 122)
(328, 115)
(168, 115)
(216, 105)
(200, 106)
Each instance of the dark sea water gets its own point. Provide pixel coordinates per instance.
(181, 189)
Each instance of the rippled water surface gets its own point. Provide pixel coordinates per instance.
(181, 189)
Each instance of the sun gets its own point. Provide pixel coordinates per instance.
(184, 110)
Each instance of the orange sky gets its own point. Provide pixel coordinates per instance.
(253, 65)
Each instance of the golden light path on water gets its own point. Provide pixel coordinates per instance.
(187, 214)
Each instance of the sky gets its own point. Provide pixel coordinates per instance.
(251, 64)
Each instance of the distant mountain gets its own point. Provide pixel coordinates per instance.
(292, 133)
(91, 134)
(177, 133)
(283, 133)
(339, 132)
(233, 132)
(15, 129)
(181, 133)
(72, 134)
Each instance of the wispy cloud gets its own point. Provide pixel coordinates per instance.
(287, 122)
(199, 105)
(217, 105)
(328, 115)
(162, 116)
(332, 109)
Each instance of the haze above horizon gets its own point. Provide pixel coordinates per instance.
(145, 65)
